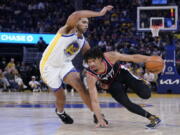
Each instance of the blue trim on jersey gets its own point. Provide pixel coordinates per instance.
(56, 89)
(80, 37)
(68, 35)
(72, 70)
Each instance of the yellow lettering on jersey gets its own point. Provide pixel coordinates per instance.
(71, 49)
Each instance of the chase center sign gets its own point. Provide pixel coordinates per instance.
(24, 38)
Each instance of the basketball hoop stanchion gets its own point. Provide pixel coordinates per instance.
(153, 19)
(155, 30)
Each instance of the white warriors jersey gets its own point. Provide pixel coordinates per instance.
(62, 49)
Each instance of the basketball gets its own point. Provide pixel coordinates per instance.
(155, 64)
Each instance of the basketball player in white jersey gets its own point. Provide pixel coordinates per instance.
(56, 64)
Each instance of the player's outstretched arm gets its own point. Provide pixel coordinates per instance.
(136, 58)
(75, 16)
(94, 101)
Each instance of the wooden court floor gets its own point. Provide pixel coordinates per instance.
(33, 114)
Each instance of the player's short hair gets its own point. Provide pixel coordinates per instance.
(93, 53)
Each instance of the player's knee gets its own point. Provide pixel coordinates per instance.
(59, 93)
(76, 76)
(77, 83)
(71, 77)
(77, 80)
(145, 91)
(146, 94)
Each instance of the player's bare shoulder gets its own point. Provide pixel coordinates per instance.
(66, 30)
(112, 56)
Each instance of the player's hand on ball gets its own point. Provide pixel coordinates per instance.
(102, 124)
(105, 9)
(154, 64)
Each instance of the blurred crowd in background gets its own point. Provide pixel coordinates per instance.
(114, 31)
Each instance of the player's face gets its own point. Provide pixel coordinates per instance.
(82, 25)
(94, 64)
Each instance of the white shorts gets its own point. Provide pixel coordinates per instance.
(53, 76)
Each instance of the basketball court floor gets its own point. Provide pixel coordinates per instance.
(33, 114)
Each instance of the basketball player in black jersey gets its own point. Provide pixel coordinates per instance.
(105, 68)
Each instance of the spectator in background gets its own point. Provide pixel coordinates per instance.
(109, 47)
(34, 85)
(43, 86)
(3, 63)
(11, 64)
(139, 71)
(10, 75)
(46, 17)
(20, 82)
(102, 43)
(151, 78)
(3, 81)
(41, 44)
(41, 5)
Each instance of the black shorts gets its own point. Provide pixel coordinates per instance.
(125, 78)
(139, 86)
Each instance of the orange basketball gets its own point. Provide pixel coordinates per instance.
(155, 64)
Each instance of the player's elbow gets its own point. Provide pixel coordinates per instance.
(75, 14)
(73, 19)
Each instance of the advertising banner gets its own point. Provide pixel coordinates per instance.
(24, 38)
(169, 80)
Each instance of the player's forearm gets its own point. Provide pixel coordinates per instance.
(97, 110)
(95, 103)
(137, 58)
(94, 96)
(86, 14)
(75, 17)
